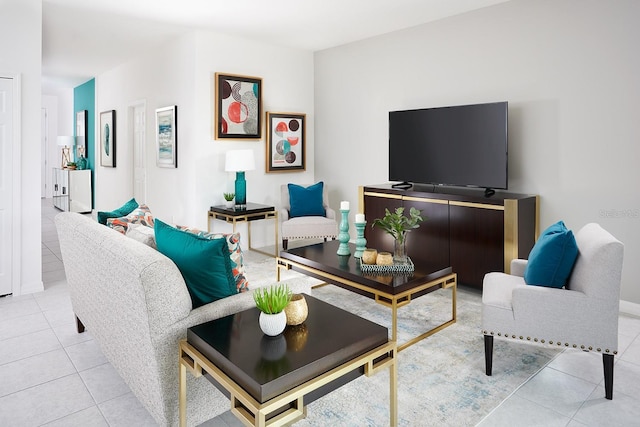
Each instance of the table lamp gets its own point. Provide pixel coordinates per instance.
(239, 161)
(66, 142)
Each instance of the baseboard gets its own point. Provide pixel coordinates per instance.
(630, 308)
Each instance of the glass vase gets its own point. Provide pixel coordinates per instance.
(400, 250)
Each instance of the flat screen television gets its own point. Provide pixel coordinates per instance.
(464, 145)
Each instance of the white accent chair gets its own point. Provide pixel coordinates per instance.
(306, 227)
(583, 315)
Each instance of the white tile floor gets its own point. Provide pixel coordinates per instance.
(50, 375)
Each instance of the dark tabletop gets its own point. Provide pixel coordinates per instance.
(268, 366)
(250, 208)
(324, 257)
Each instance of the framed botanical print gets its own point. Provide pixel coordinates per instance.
(238, 107)
(285, 142)
(167, 137)
(108, 138)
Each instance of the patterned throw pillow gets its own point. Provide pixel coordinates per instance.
(140, 215)
(235, 253)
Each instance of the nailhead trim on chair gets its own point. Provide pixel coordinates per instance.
(583, 347)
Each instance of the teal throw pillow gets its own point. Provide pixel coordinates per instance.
(204, 263)
(306, 201)
(123, 210)
(552, 257)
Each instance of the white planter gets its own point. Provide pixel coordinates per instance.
(229, 204)
(273, 324)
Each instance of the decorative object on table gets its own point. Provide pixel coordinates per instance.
(82, 118)
(296, 310)
(361, 242)
(271, 301)
(108, 138)
(384, 258)
(391, 268)
(81, 161)
(65, 142)
(71, 166)
(238, 111)
(239, 161)
(228, 199)
(343, 236)
(167, 137)
(369, 256)
(398, 225)
(285, 142)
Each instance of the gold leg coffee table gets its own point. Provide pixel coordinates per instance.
(270, 380)
(394, 291)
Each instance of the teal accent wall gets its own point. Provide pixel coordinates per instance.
(84, 98)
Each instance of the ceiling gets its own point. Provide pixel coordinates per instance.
(83, 38)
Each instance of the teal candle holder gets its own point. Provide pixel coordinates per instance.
(361, 242)
(343, 236)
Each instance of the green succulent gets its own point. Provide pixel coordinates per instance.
(272, 300)
(228, 196)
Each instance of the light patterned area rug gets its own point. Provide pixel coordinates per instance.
(441, 379)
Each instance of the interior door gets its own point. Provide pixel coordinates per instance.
(6, 185)
(138, 113)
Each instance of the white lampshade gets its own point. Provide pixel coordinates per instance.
(66, 141)
(239, 161)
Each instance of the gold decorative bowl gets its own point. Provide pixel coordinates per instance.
(369, 256)
(384, 258)
(296, 310)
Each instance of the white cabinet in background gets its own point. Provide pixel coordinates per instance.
(72, 190)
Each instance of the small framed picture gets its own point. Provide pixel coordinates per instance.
(238, 107)
(167, 137)
(108, 138)
(285, 142)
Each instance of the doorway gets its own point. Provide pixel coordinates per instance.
(7, 238)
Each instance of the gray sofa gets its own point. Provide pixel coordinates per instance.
(135, 304)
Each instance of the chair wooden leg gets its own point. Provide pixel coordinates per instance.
(79, 325)
(488, 354)
(285, 244)
(607, 363)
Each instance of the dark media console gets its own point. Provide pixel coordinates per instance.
(473, 233)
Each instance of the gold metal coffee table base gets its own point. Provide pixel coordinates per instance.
(289, 406)
(393, 301)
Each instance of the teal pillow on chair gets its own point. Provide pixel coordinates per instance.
(123, 210)
(306, 201)
(552, 257)
(204, 263)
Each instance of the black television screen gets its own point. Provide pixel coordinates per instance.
(463, 145)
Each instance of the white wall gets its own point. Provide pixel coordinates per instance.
(569, 70)
(182, 75)
(21, 47)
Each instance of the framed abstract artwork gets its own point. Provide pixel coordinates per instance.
(285, 142)
(108, 138)
(167, 137)
(238, 107)
(81, 133)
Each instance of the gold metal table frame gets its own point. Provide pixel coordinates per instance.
(247, 216)
(385, 298)
(253, 413)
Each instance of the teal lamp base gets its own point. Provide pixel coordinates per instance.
(241, 189)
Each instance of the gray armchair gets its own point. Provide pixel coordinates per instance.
(583, 315)
(306, 227)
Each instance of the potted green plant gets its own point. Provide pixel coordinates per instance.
(71, 165)
(228, 199)
(398, 225)
(271, 301)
